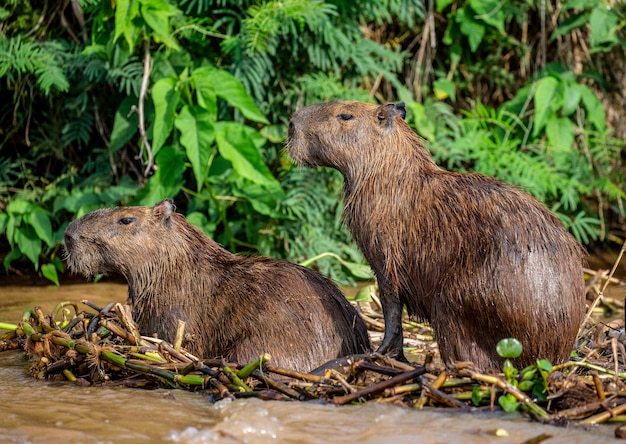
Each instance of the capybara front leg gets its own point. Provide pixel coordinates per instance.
(392, 340)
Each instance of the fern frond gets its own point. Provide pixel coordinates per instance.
(266, 22)
(42, 60)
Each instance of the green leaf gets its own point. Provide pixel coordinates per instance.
(21, 207)
(201, 221)
(477, 395)
(166, 181)
(471, 28)
(508, 403)
(360, 271)
(40, 221)
(526, 385)
(570, 23)
(125, 124)
(544, 365)
(490, 12)
(262, 199)
(50, 272)
(364, 294)
(603, 23)
(560, 132)
(125, 13)
(444, 88)
(509, 348)
(236, 145)
(274, 133)
(15, 253)
(228, 88)
(205, 90)
(156, 14)
(424, 125)
(593, 106)
(4, 221)
(28, 243)
(196, 135)
(545, 95)
(443, 4)
(571, 99)
(165, 98)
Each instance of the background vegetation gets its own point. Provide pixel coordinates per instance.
(128, 102)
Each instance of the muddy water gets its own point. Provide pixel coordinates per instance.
(34, 411)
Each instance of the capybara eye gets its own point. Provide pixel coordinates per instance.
(345, 116)
(126, 220)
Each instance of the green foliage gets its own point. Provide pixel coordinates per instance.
(197, 93)
(532, 379)
(41, 60)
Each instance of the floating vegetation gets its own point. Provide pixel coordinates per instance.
(102, 346)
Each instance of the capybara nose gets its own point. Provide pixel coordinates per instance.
(291, 128)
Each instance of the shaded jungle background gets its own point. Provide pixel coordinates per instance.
(128, 102)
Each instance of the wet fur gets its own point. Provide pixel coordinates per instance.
(478, 258)
(235, 307)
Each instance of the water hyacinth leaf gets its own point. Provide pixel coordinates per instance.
(197, 136)
(508, 403)
(234, 143)
(165, 98)
(509, 348)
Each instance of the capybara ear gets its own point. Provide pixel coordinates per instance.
(164, 209)
(387, 113)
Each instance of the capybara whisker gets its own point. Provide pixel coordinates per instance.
(476, 257)
(235, 307)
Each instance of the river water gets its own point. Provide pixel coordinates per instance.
(35, 411)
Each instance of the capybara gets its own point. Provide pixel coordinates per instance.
(477, 258)
(235, 307)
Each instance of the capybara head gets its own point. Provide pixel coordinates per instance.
(235, 307)
(351, 128)
(127, 239)
(478, 258)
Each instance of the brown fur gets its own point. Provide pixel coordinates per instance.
(235, 307)
(478, 258)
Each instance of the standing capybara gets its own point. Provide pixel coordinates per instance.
(235, 307)
(478, 258)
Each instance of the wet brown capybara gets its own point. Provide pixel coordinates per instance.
(478, 258)
(235, 307)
